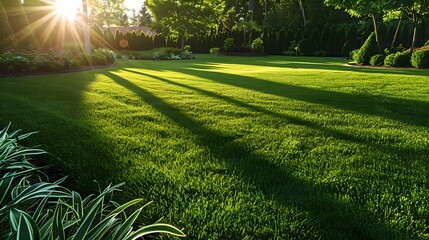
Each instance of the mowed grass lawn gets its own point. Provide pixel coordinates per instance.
(242, 148)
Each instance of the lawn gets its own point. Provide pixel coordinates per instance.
(242, 147)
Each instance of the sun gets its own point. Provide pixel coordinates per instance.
(67, 8)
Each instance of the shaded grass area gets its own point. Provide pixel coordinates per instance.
(243, 148)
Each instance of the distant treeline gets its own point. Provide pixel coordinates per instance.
(336, 40)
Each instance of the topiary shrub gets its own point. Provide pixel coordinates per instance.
(257, 46)
(377, 60)
(307, 47)
(399, 59)
(228, 44)
(420, 58)
(368, 49)
(109, 54)
(353, 53)
(214, 51)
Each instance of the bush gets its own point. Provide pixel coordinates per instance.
(42, 210)
(187, 48)
(214, 51)
(420, 58)
(228, 44)
(377, 60)
(99, 59)
(187, 55)
(352, 54)
(307, 47)
(14, 64)
(368, 49)
(399, 59)
(109, 54)
(257, 46)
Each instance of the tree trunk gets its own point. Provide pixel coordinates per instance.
(413, 44)
(396, 34)
(377, 39)
(182, 46)
(301, 6)
(87, 40)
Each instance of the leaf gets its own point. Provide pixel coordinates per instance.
(155, 228)
(127, 226)
(27, 228)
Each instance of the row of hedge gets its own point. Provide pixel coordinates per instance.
(31, 61)
(398, 57)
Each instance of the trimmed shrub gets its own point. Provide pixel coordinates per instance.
(368, 49)
(228, 44)
(307, 47)
(377, 60)
(109, 54)
(399, 59)
(99, 59)
(352, 54)
(214, 51)
(420, 58)
(257, 46)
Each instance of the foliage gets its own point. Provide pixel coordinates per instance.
(7, 37)
(257, 46)
(19, 23)
(399, 59)
(307, 47)
(228, 44)
(426, 43)
(107, 12)
(31, 208)
(214, 51)
(187, 48)
(368, 49)
(377, 60)
(182, 18)
(352, 54)
(171, 54)
(420, 58)
(109, 55)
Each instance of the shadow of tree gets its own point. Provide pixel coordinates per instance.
(407, 111)
(328, 211)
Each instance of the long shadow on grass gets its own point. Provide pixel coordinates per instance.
(334, 218)
(284, 117)
(411, 112)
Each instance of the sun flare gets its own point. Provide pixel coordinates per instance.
(67, 8)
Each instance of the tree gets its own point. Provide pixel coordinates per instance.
(19, 23)
(185, 18)
(107, 12)
(6, 34)
(145, 19)
(39, 15)
(415, 10)
(124, 21)
(364, 8)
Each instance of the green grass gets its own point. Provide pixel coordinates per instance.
(243, 148)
